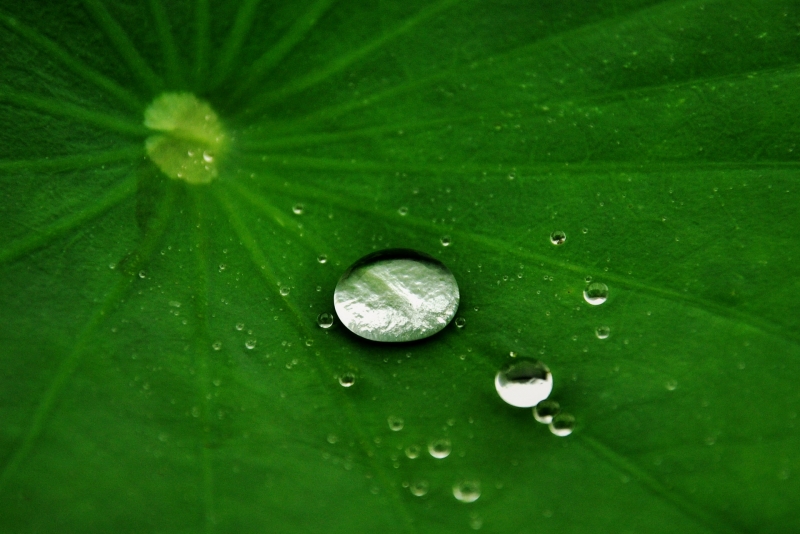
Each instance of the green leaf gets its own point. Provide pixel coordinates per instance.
(661, 137)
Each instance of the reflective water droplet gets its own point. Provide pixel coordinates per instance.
(412, 451)
(562, 424)
(396, 295)
(418, 488)
(285, 290)
(216, 345)
(142, 274)
(325, 320)
(347, 379)
(250, 344)
(467, 490)
(524, 383)
(545, 410)
(460, 322)
(332, 438)
(403, 211)
(585, 230)
(395, 423)
(671, 385)
(239, 326)
(595, 293)
(298, 209)
(445, 240)
(558, 237)
(602, 332)
(309, 342)
(322, 258)
(440, 448)
(208, 158)
(588, 279)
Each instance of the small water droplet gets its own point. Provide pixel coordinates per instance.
(322, 258)
(412, 451)
(347, 379)
(208, 158)
(325, 320)
(588, 279)
(396, 295)
(298, 209)
(142, 274)
(460, 322)
(250, 344)
(512, 175)
(562, 424)
(545, 410)
(240, 326)
(440, 448)
(524, 383)
(309, 342)
(595, 293)
(418, 488)
(467, 491)
(671, 385)
(216, 345)
(395, 423)
(285, 290)
(558, 237)
(445, 240)
(602, 332)
(332, 438)
(403, 211)
(475, 522)
(585, 230)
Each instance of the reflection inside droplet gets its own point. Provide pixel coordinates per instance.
(524, 383)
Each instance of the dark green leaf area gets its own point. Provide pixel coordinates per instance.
(163, 366)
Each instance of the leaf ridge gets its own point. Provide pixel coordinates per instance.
(168, 48)
(233, 45)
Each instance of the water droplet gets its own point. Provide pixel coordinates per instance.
(240, 326)
(602, 332)
(460, 322)
(347, 379)
(595, 293)
(332, 438)
(325, 320)
(396, 295)
(216, 345)
(546, 410)
(588, 279)
(322, 258)
(467, 490)
(285, 290)
(412, 451)
(142, 274)
(208, 158)
(475, 522)
(585, 230)
(395, 423)
(418, 488)
(671, 385)
(445, 240)
(524, 383)
(562, 424)
(558, 237)
(403, 211)
(250, 344)
(440, 448)
(298, 209)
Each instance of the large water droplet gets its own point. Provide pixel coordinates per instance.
(418, 488)
(347, 379)
(595, 293)
(325, 320)
(396, 295)
(546, 410)
(395, 423)
(602, 332)
(558, 237)
(440, 448)
(524, 383)
(562, 424)
(467, 490)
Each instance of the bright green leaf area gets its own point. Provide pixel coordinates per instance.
(660, 136)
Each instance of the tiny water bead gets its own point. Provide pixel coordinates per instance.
(190, 137)
(285, 290)
(558, 237)
(412, 451)
(562, 424)
(250, 344)
(240, 326)
(217, 345)
(602, 332)
(467, 491)
(460, 322)
(396, 295)
(322, 258)
(445, 240)
(546, 410)
(298, 209)
(325, 320)
(440, 448)
(418, 488)
(395, 423)
(347, 379)
(595, 293)
(403, 211)
(524, 383)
